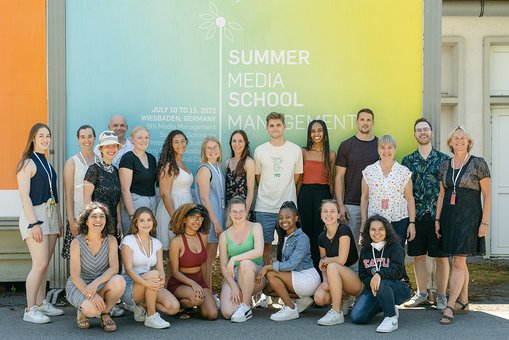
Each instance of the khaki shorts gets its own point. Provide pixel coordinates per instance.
(44, 213)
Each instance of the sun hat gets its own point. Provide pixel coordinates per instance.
(108, 138)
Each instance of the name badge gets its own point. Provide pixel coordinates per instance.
(385, 203)
(453, 198)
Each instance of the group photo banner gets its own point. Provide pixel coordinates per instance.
(211, 67)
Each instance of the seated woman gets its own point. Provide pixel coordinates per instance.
(338, 264)
(381, 271)
(293, 274)
(240, 253)
(142, 256)
(93, 286)
(188, 258)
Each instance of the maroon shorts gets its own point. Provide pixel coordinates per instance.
(173, 283)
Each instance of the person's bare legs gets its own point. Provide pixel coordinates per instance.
(247, 271)
(456, 283)
(341, 279)
(281, 283)
(442, 273)
(36, 278)
(421, 273)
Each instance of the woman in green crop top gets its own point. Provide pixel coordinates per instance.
(240, 253)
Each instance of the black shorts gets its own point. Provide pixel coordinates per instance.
(425, 241)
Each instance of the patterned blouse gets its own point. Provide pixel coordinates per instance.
(387, 194)
(425, 179)
(235, 185)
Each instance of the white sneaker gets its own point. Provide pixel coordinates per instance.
(263, 302)
(116, 312)
(441, 302)
(388, 325)
(345, 305)
(48, 309)
(129, 308)
(218, 302)
(303, 303)
(243, 313)
(417, 300)
(397, 311)
(35, 316)
(155, 321)
(140, 313)
(286, 313)
(332, 318)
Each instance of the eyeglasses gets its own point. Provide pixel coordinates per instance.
(196, 218)
(212, 148)
(237, 212)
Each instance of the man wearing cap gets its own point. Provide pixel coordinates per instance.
(119, 125)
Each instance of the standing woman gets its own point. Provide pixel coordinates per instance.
(188, 258)
(240, 170)
(462, 218)
(101, 183)
(387, 191)
(138, 176)
(175, 180)
(93, 286)
(210, 192)
(40, 222)
(381, 264)
(75, 169)
(293, 274)
(338, 263)
(142, 256)
(316, 184)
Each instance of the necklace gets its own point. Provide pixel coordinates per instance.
(107, 167)
(193, 235)
(86, 160)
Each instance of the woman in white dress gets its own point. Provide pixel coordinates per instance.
(75, 169)
(175, 180)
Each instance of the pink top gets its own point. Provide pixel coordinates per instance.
(314, 172)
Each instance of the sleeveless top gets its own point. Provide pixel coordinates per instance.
(39, 183)
(93, 266)
(314, 172)
(236, 249)
(216, 193)
(235, 185)
(190, 259)
(80, 169)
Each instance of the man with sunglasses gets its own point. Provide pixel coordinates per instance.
(118, 124)
(425, 164)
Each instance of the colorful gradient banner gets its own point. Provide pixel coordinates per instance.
(210, 67)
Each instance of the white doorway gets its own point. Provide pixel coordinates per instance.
(500, 181)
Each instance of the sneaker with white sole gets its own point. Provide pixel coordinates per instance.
(332, 318)
(417, 300)
(155, 321)
(441, 302)
(397, 311)
(243, 313)
(263, 301)
(389, 324)
(129, 308)
(116, 311)
(218, 302)
(48, 309)
(140, 313)
(345, 305)
(35, 316)
(303, 303)
(286, 313)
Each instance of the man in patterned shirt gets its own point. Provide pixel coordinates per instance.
(425, 164)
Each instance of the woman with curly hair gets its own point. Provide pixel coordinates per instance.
(94, 286)
(381, 264)
(316, 183)
(188, 257)
(142, 256)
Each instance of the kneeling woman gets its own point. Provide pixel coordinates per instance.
(94, 286)
(338, 264)
(188, 259)
(240, 253)
(293, 274)
(142, 256)
(381, 270)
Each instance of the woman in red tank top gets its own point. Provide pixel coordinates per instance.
(188, 257)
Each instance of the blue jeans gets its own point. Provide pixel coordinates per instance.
(390, 293)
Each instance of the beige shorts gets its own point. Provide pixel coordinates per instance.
(43, 212)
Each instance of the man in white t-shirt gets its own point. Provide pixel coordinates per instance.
(119, 125)
(278, 168)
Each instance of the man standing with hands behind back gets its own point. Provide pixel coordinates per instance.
(353, 155)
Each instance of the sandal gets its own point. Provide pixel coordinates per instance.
(82, 321)
(108, 325)
(464, 307)
(446, 319)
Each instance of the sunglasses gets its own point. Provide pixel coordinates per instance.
(109, 133)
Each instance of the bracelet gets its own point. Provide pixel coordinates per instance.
(437, 220)
(411, 222)
(31, 225)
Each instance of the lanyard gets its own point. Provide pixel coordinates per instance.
(378, 266)
(49, 174)
(143, 248)
(455, 178)
(96, 159)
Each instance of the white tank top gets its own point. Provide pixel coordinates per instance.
(80, 169)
